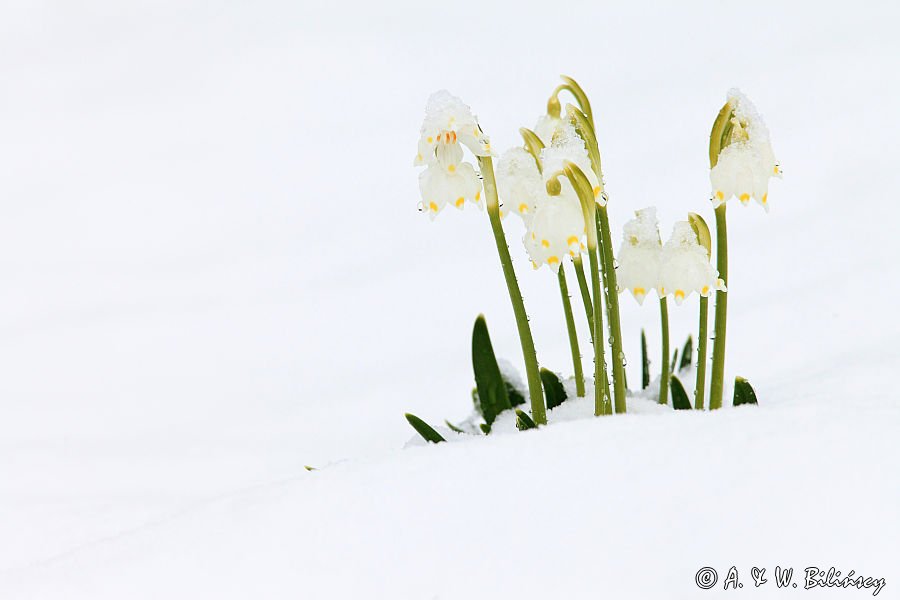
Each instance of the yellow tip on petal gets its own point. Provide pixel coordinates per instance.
(430, 139)
(744, 198)
(433, 206)
(765, 198)
(705, 290)
(596, 191)
(639, 291)
(459, 202)
(679, 295)
(477, 195)
(552, 260)
(572, 240)
(545, 243)
(523, 208)
(452, 168)
(720, 195)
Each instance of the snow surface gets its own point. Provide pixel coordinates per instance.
(212, 273)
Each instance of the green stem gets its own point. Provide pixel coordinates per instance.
(573, 336)
(585, 293)
(702, 335)
(664, 376)
(717, 380)
(601, 382)
(612, 309)
(535, 391)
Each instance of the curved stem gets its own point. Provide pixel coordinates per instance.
(612, 309)
(535, 391)
(585, 293)
(573, 336)
(717, 379)
(664, 376)
(702, 336)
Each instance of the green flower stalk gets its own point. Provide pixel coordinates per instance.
(582, 186)
(741, 163)
(535, 389)
(703, 238)
(585, 128)
(665, 374)
(448, 180)
(534, 145)
(573, 335)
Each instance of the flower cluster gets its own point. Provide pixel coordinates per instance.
(680, 267)
(746, 161)
(554, 223)
(447, 179)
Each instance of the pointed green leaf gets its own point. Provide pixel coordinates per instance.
(743, 392)
(485, 428)
(645, 362)
(309, 468)
(523, 421)
(553, 388)
(687, 354)
(674, 361)
(679, 396)
(492, 395)
(424, 429)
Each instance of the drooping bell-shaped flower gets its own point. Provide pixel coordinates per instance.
(685, 267)
(747, 162)
(639, 255)
(520, 184)
(556, 230)
(447, 179)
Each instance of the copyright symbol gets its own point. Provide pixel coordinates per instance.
(706, 578)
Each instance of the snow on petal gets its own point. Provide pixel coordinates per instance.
(639, 255)
(685, 267)
(745, 165)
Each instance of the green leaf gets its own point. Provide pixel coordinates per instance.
(743, 392)
(309, 468)
(424, 429)
(515, 396)
(523, 421)
(453, 427)
(679, 396)
(674, 361)
(645, 362)
(492, 393)
(687, 354)
(485, 428)
(553, 388)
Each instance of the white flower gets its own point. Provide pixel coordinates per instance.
(520, 184)
(446, 178)
(746, 164)
(567, 146)
(449, 121)
(685, 267)
(555, 231)
(640, 254)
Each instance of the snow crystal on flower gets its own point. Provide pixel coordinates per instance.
(746, 164)
(567, 146)
(685, 267)
(640, 253)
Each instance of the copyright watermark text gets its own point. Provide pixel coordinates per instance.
(708, 578)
